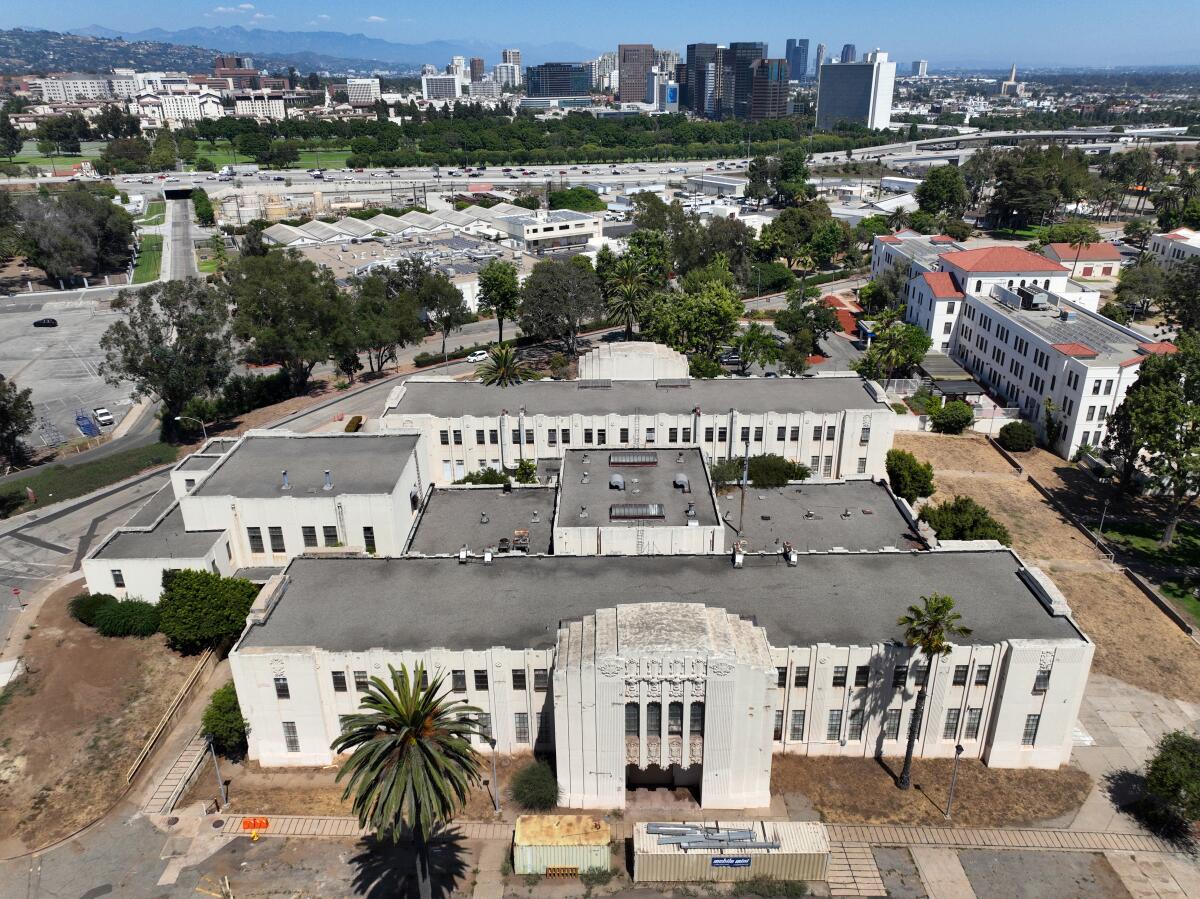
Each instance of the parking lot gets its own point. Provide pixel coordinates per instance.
(60, 365)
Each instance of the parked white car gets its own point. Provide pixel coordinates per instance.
(103, 417)
(477, 356)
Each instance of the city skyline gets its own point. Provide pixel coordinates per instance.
(1167, 40)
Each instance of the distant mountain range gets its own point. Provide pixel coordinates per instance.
(258, 41)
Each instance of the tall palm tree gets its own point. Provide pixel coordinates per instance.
(503, 368)
(897, 219)
(411, 759)
(625, 292)
(927, 629)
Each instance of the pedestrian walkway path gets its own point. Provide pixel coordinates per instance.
(333, 826)
(852, 871)
(941, 872)
(994, 838)
(166, 793)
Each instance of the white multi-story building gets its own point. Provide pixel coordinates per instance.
(263, 500)
(442, 87)
(507, 74)
(1018, 323)
(672, 671)
(162, 81)
(177, 105)
(484, 90)
(123, 84)
(511, 56)
(1175, 247)
(260, 105)
(841, 427)
(72, 87)
(856, 92)
(362, 91)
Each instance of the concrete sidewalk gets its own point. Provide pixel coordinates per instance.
(995, 838)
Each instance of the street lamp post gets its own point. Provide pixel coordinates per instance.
(222, 792)
(1103, 513)
(958, 751)
(203, 430)
(495, 782)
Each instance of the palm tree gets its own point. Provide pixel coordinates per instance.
(412, 762)
(625, 292)
(897, 219)
(1080, 238)
(503, 368)
(927, 628)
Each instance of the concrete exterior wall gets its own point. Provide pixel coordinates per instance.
(143, 577)
(718, 434)
(651, 540)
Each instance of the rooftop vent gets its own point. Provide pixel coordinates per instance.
(328, 480)
(1068, 315)
(594, 383)
(483, 518)
(616, 481)
(536, 519)
(636, 511)
(462, 555)
(286, 485)
(683, 482)
(673, 382)
(633, 457)
(583, 512)
(690, 514)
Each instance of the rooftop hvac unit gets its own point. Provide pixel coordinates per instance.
(616, 481)
(636, 511)
(633, 457)
(683, 482)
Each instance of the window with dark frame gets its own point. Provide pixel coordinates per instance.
(800, 678)
(797, 730)
(982, 674)
(899, 677)
(1041, 683)
(541, 680)
(254, 535)
(458, 681)
(960, 675)
(675, 719)
(653, 719)
(118, 578)
(862, 675)
(339, 681)
(633, 719)
(281, 688)
(276, 535)
(329, 535)
(839, 675)
(361, 682)
(481, 679)
(518, 678)
(971, 730)
(290, 738)
(781, 677)
(309, 533)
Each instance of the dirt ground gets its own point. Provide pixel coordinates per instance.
(1135, 642)
(1038, 531)
(863, 791)
(949, 453)
(71, 726)
(315, 791)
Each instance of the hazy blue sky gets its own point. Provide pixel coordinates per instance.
(1028, 32)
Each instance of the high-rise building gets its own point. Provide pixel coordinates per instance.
(601, 69)
(699, 57)
(362, 91)
(857, 92)
(429, 69)
(849, 53)
(511, 56)
(506, 74)
(818, 60)
(797, 58)
(768, 89)
(745, 54)
(920, 68)
(476, 64)
(719, 83)
(667, 60)
(447, 86)
(634, 62)
(558, 79)
(458, 66)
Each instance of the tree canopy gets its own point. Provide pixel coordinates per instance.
(558, 298)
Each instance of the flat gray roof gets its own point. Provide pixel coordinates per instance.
(644, 483)
(817, 394)
(198, 462)
(169, 539)
(775, 515)
(356, 604)
(454, 516)
(358, 464)
(154, 507)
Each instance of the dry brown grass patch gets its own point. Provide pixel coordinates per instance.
(968, 452)
(863, 791)
(1135, 642)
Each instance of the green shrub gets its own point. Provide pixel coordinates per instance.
(199, 609)
(127, 618)
(953, 418)
(726, 471)
(770, 470)
(766, 886)
(86, 606)
(487, 475)
(1017, 436)
(223, 719)
(595, 877)
(704, 367)
(962, 518)
(535, 788)
(1173, 776)
(526, 472)
(910, 478)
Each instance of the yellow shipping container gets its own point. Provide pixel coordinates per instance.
(564, 843)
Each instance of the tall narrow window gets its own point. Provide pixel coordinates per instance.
(862, 675)
(485, 727)
(971, 731)
(781, 676)
(521, 727)
(950, 729)
(1041, 683)
(696, 719)
(800, 678)
(339, 681)
(329, 535)
(277, 545)
(675, 719)
(309, 532)
(118, 578)
(633, 719)
(777, 732)
(518, 678)
(360, 681)
(458, 681)
(254, 535)
(891, 724)
(481, 679)
(982, 674)
(839, 676)
(369, 540)
(541, 680)
(960, 675)
(653, 719)
(833, 731)
(1029, 735)
(281, 688)
(797, 730)
(290, 738)
(899, 677)
(855, 728)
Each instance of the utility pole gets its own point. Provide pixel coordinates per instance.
(745, 478)
(222, 792)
